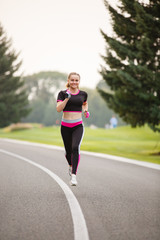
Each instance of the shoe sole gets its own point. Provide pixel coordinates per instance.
(73, 184)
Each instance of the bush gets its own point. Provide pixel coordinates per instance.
(17, 126)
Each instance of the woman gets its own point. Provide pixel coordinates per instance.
(72, 102)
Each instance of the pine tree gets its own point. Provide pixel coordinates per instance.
(132, 63)
(13, 98)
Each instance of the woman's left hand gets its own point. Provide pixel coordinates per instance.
(86, 114)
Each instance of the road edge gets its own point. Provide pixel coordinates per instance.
(101, 155)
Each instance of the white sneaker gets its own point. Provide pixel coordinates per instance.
(70, 171)
(73, 181)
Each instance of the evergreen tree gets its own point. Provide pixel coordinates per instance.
(13, 98)
(132, 62)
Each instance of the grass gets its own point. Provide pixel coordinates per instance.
(140, 143)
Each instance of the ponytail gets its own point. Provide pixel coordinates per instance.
(67, 85)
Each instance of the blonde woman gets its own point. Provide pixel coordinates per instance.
(72, 102)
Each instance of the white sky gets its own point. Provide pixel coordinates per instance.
(58, 35)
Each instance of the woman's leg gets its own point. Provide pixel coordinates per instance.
(67, 140)
(77, 136)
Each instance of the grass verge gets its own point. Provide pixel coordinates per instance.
(140, 143)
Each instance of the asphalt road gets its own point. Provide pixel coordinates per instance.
(119, 201)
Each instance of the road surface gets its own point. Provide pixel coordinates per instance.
(112, 201)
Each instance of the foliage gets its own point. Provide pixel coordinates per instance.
(100, 114)
(44, 85)
(42, 88)
(132, 58)
(44, 113)
(13, 97)
(17, 127)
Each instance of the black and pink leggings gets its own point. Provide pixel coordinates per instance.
(72, 134)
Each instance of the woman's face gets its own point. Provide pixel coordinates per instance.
(74, 81)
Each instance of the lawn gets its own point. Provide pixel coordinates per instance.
(140, 143)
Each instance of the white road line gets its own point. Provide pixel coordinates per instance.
(101, 155)
(80, 228)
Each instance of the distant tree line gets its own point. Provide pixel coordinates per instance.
(42, 89)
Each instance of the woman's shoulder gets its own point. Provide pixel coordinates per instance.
(61, 95)
(83, 93)
(63, 91)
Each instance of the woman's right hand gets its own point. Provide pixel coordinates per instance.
(68, 95)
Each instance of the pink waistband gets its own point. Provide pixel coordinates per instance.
(70, 124)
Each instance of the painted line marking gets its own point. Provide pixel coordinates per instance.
(101, 155)
(79, 224)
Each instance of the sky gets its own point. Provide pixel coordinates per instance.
(58, 35)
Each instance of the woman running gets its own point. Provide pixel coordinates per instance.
(72, 102)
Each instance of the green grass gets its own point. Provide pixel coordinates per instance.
(139, 143)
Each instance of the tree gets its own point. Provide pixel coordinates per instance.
(42, 88)
(44, 85)
(13, 97)
(100, 114)
(43, 112)
(132, 59)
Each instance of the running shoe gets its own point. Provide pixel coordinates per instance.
(73, 181)
(70, 171)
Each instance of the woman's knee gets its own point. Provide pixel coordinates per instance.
(75, 149)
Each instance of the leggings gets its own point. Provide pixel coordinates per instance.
(72, 138)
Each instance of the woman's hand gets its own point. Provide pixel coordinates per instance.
(86, 114)
(67, 95)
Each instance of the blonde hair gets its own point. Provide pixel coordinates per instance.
(72, 73)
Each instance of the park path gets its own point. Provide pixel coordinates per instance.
(117, 200)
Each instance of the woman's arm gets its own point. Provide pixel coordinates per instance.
(85, 109)
(61, 105)
(85, 106)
